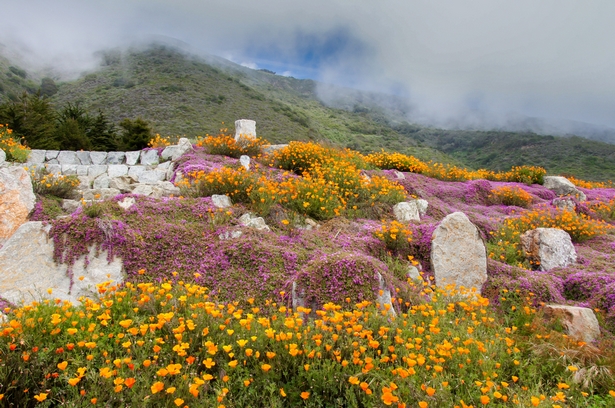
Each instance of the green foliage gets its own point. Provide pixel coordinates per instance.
(50, 184)
(48, 87)
(13, 149)
(32, 118)
(136, 134)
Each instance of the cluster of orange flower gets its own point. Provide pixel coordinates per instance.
(14, 150)
(173, 344)
(511, 195)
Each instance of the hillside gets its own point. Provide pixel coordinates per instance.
(181, 94)
(14, 79)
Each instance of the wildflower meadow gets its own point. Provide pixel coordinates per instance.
(208, 315)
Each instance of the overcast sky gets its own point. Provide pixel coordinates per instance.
(455, 60)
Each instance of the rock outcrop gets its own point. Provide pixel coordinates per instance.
(458, 254)
(563, 187)
(27, 277)
(249, 220)
(579, 322)
(548, 248)
(406, 211)
(17, 199)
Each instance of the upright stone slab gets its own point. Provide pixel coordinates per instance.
(245, 128)
(16, 199)
(27, 269)
(115, 157)
(458, 253)
(117, 170)
(245, 161)
(151, 176)
(96, 170)
(69, 169)
(549, 248)
(51, 154)
(2, 157)
(84, 158)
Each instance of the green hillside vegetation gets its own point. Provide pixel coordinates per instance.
(182, 95)
(583, 158)
(14, 80)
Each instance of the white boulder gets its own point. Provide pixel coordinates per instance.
(580, 322)
(27, 269)
(458, 254)
(406, 211)
(548, 247)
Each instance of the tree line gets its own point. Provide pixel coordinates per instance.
(39, 125)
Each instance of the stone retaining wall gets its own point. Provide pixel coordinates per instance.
(96, 169)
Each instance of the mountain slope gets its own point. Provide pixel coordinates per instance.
(181, 94)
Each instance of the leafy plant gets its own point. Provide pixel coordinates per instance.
(52, 184)
(14, 150)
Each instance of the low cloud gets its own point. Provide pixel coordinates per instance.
(468, 64)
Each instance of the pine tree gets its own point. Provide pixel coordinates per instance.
(32, 118)
(136, 134)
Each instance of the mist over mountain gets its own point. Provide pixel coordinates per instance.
(181, 93)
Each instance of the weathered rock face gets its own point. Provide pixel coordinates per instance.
(458, 253)
(563, 187)
(221, 201)
(579, 322)
(16, 199)
(2, 157)
(245, 128)
(422, 205)
(564, 203)
(27, 269)
(248, 220)
(245, 161)
(406, 211)
(176, 151)
(549, 248)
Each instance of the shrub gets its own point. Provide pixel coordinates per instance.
(398, 161)
(396, 236)
(526, 174)
(226, 180)
(15, 151)
(161, 142)
(51, 184)
(333, 277)
(313, 197)
(510, 195)
(227, 145)
(505, 244)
